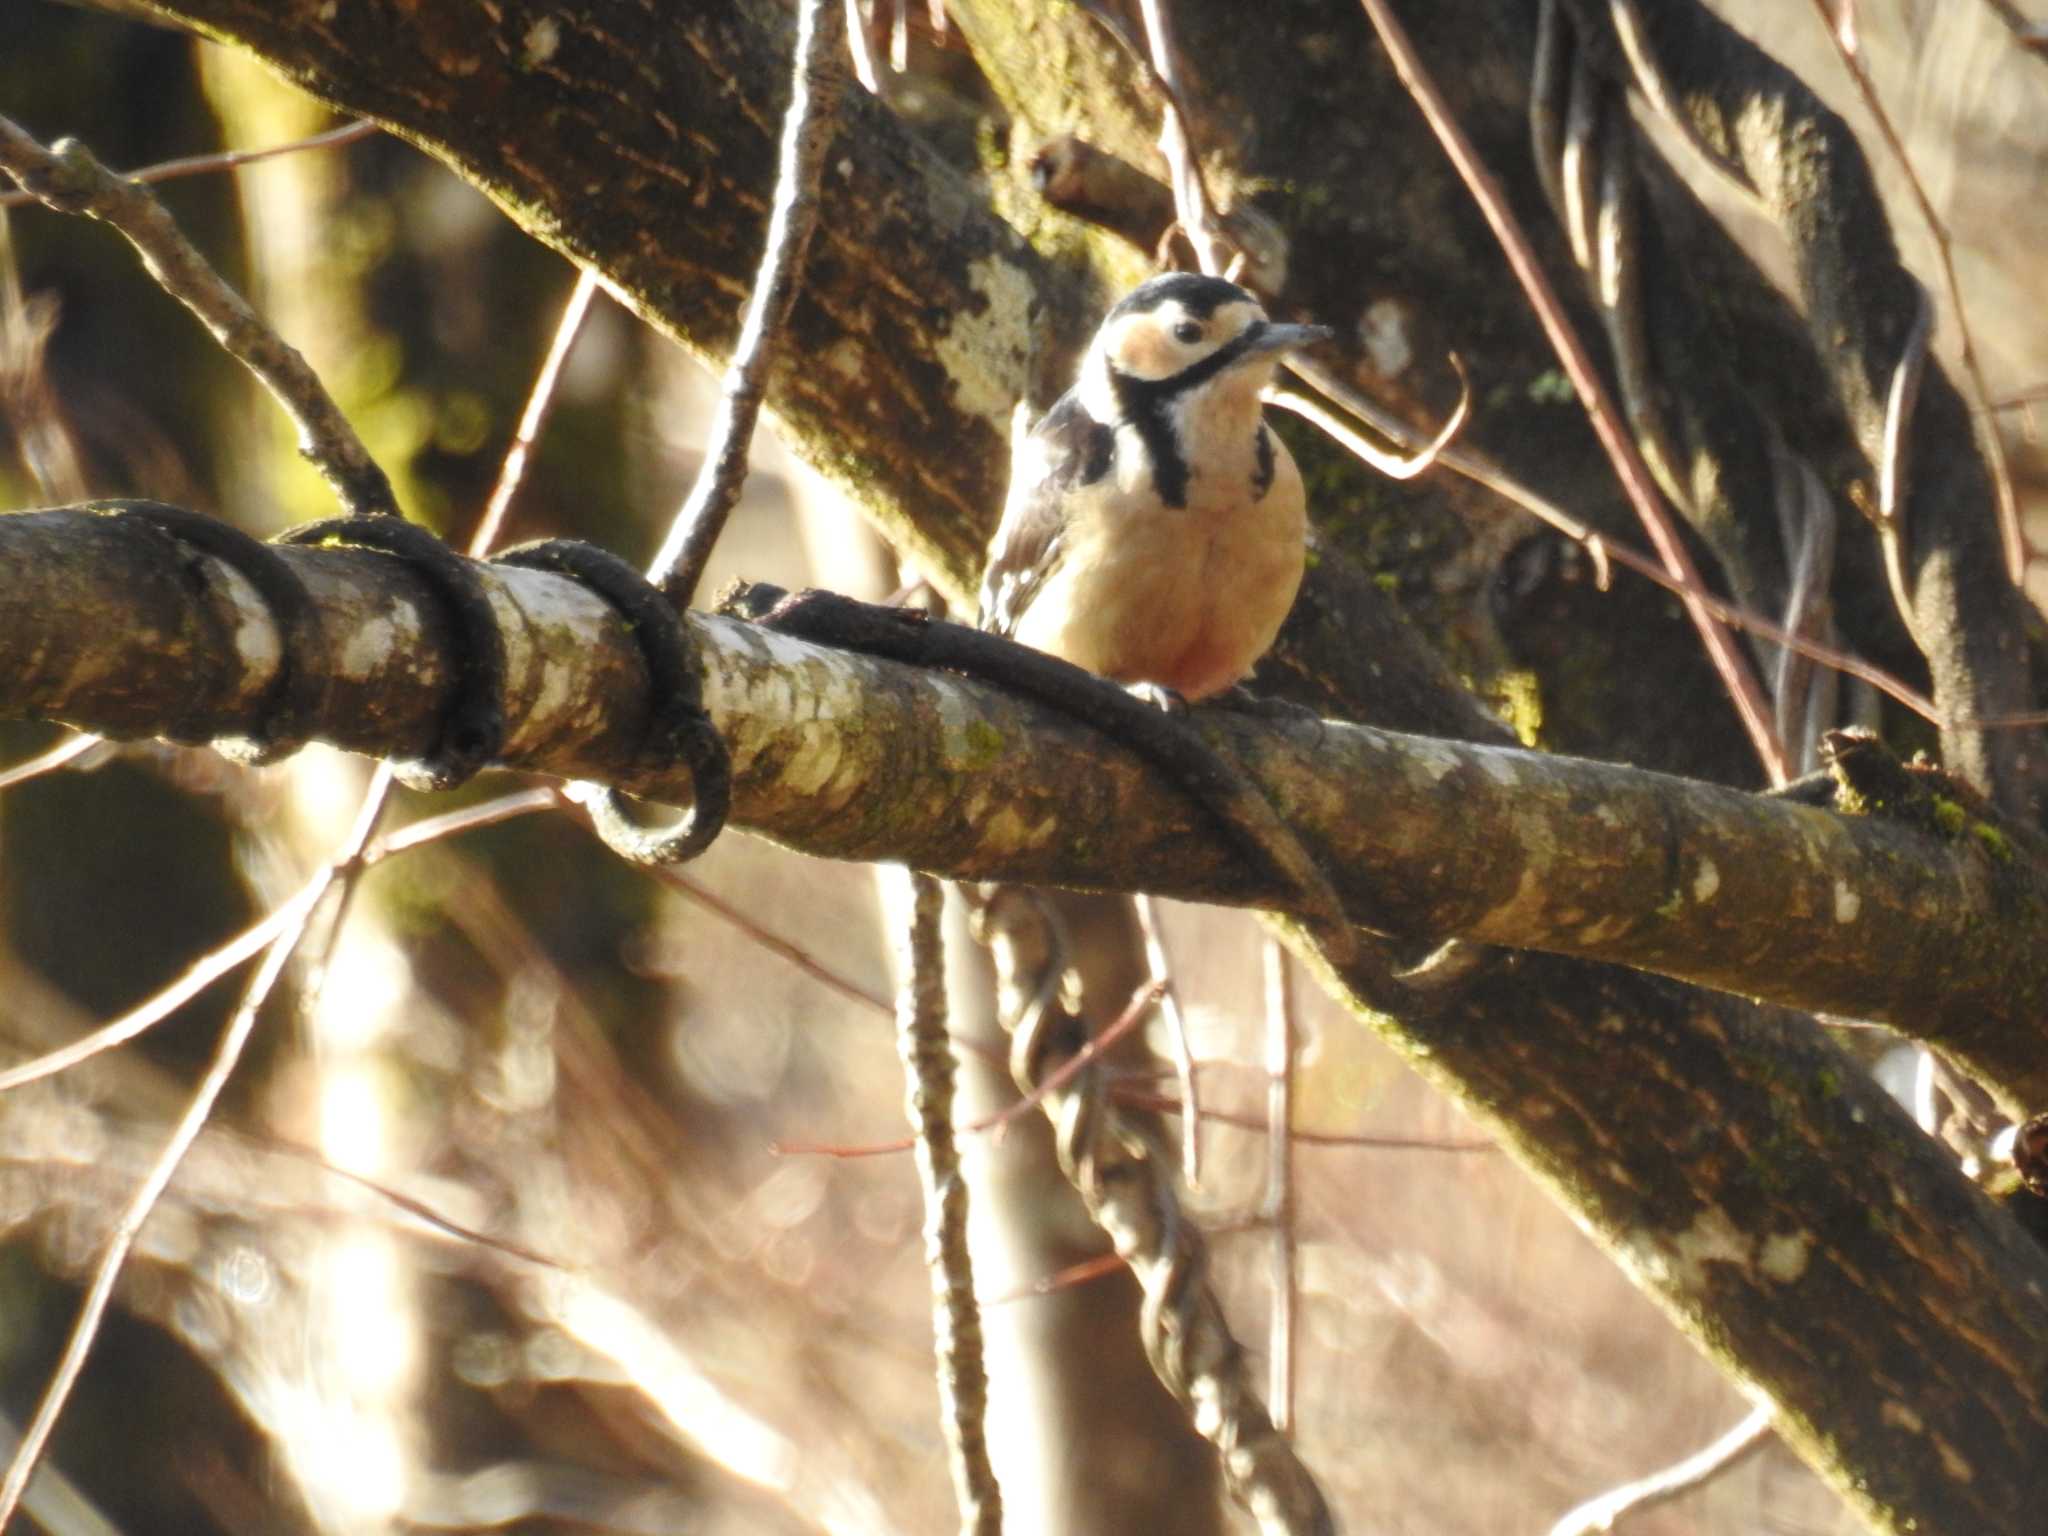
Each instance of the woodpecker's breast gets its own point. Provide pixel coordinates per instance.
(1185, 596)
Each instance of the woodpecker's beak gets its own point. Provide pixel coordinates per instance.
(1284, 338)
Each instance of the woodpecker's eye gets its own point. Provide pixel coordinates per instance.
(1187, 331)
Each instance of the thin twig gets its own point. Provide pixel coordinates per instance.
(67, 178)
(860, 50)
(1183, 1054)
(67, 751)
(2027, 33)
(511, 470)
(539, 401)
(209, 968)
(1393, 466)
(487, 813)
(1601, 549)
(999, 1122)
(923, 1042)
(1191, 200)
(1277, 1209)
(1734, 669)
(44, 441)
(1681, 1477)
(201, 974)
(1348, 1141)
(806, 129)
(2033, 394)
(672, 877)
(226, 159)
(236, 1036)
(2010, 533)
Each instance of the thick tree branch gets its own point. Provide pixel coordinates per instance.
(659, 116)
(1937, 928)
(1803, 164)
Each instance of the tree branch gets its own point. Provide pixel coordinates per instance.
(1938, 926)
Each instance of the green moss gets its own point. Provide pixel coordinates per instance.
(984, 745)
(1992, 841)
(1949, 817)
(1518, 694)
(991, 146)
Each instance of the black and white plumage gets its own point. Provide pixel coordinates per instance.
(1155, 529)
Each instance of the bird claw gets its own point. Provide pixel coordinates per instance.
(1161, 698)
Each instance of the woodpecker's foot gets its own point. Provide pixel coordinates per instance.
(1241, 700)
(1165, 700)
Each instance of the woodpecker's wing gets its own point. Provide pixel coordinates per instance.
(1068, 449)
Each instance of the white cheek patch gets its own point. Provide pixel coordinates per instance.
(1145, 345)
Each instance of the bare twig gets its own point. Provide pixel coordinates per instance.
(488, 813)
(1197, 212)
(284, 942)
(209, 968)
(1147, 909)
(67, 178)
(2029, 34)
(775, 944)
(1393, 466)
(1895, 463)
(67, 751)
(227, 159)
(539, 401)
(1603, 550)
(806, 129)
(44, 442)
(2011, 535)
(1000, 1122)
(1132, 1096)
(1277, 1209)
(2033, 394)
(1701, 1467)
(860, 50)
(1361, 1141)
(922, 1040)
(1734, 669)
(201, 974)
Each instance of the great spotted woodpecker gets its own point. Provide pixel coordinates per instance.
(1155, 528)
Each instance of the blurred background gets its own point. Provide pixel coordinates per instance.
(508, 1219)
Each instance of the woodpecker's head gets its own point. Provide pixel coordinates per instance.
(1179, 335)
